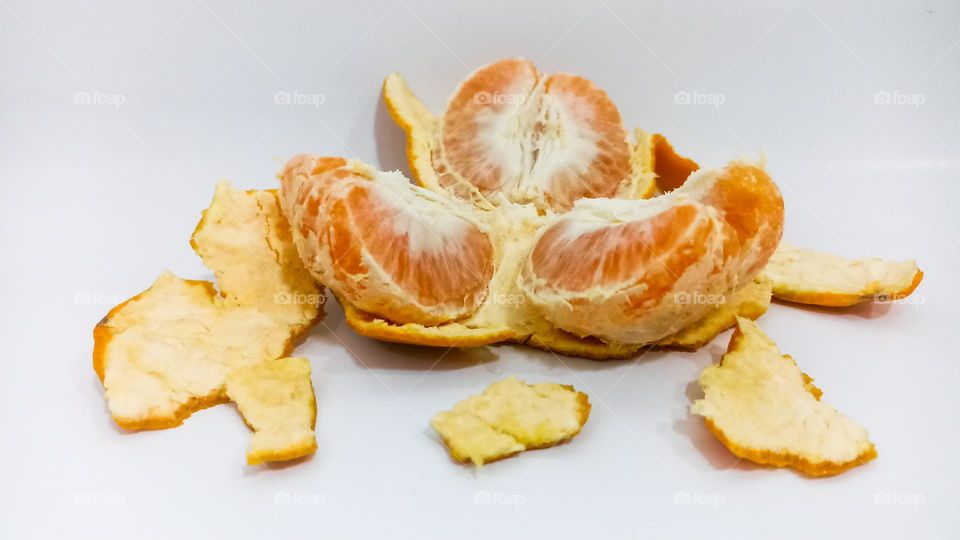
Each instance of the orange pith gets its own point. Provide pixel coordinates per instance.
(654, 252)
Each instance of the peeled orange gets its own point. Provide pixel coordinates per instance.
(537, 218)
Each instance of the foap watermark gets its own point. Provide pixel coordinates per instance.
(99, 98)
(883, 97)
(890, 498)
(96, 498)
(96, 298)
(912, 300)
(299, 98)
(496, 98)
(695, 298)
(299, 298)
(298, 498)
(505, 299)
(699, 499)
(684, 97)
(497, 498)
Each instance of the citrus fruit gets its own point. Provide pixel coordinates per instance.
(542, 140)
(384, 244)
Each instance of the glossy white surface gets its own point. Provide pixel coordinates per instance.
(118, 118)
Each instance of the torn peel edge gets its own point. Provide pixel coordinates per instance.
(412, 129)
(775, 459)
(778, 459)
(185, 411)
(840, 300)
(583, 408)
(372, 326)
(203, 217)
(103, 335)
(591, 348)
(555, 341)
(287, 455)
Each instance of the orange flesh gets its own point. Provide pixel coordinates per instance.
(346, 212)
(654, 251)
(491, 89)
(455, 271)
(750, 204)
(501, 90)
(592, 107)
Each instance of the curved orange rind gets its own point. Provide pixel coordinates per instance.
(823, 279)
(509, 417)
(751, 302)
(419, 125)
(167, 352)
(760, 406)
(445, 335)
(671, 169)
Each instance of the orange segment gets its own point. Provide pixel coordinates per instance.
(547, 142)
(479, 140)
(583, 152)
(751, 205)
(443, 266)
(634, 271)
(650, 252)
(385, 245)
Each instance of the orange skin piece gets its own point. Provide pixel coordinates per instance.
(785, 459)
(847, 300)
(671, 168)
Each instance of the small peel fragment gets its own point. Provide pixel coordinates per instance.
(760, 406)
(823, 279)
(277, 401)
(671, 168)
(167, 352)
(509, 417)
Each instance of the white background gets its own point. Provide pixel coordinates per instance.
(97, 199)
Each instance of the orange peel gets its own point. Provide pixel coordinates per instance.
(509, 417)
(277, 402)
(760, 406)
(823, 279)
(167, 352)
